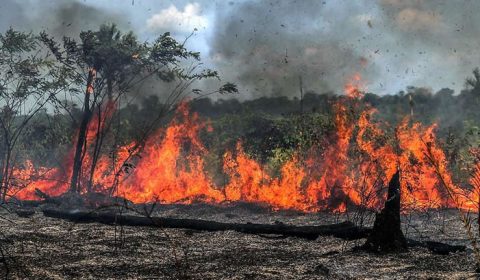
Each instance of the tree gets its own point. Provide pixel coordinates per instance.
(107, 64)
(28, 81)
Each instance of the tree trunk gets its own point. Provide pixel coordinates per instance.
(5, 176)
(101, 131)
(96, 150)
(82, 133)
(387, 235)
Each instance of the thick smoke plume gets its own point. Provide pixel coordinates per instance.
(58, 18)
(268, 45)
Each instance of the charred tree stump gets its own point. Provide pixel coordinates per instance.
(387, 235)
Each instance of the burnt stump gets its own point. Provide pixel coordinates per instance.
(386, 235)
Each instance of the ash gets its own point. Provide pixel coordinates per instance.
(43, 248)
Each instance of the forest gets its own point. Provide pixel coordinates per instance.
(101, 178)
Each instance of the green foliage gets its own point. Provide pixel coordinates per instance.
(269, 139)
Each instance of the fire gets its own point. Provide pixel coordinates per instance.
(29, 178)
(251, 183)
(167, 172)
(355, 87)
(56, 181)
(352, 171)
(92, 75)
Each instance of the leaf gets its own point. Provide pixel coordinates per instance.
(228, 88)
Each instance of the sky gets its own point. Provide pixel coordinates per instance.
(266, 46)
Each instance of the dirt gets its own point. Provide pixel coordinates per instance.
(45, 248)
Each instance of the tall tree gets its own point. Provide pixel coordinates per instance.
(108, 64)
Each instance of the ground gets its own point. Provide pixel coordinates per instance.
(45, 248)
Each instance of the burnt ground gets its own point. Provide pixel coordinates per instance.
(46, 248)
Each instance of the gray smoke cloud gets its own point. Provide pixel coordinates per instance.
(437, 39)
(58, 18)
(391, 43)
(266, 46)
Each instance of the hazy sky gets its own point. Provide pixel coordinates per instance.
(265, 46)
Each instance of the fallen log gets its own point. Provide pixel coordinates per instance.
(24, 212)
(344, 230)
(437, 248)
(41, 194)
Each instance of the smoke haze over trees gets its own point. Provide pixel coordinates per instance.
(264, 46)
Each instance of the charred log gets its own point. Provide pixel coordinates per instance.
(45, 199)
(344, 230)
(387, 235)
(92, 200)
(41, 194)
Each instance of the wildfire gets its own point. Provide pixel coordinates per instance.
(353, 171)
(355, 87)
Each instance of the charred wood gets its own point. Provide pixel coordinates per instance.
(387, 235)
(344, 230)
(25, 213)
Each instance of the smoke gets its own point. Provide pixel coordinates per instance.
(173, 19)
(442, 46)
(436, 40)
(58, 18)
(266, 46)
(11, 14)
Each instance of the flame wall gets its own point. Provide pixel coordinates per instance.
(354, 170)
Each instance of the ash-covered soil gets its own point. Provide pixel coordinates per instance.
(45, 248)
